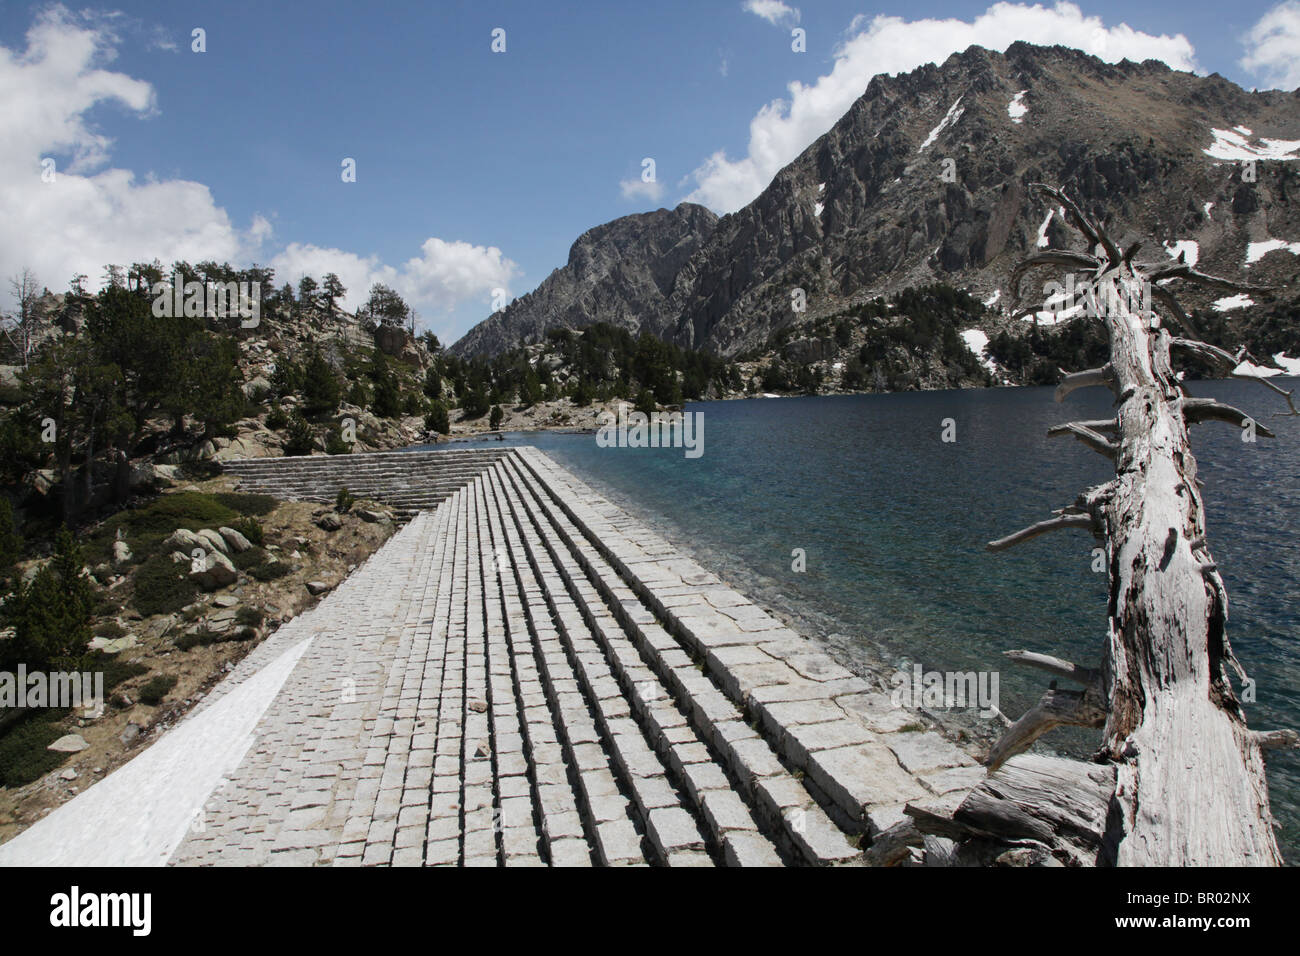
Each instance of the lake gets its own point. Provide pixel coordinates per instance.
(893, 522)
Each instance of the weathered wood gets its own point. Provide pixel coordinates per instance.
(1054, 804)
(1188, 775)
(1042, 527)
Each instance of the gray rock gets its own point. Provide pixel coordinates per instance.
(317, 587)
(215, 541)
(129, 733)
(215, 572)
(184, 540)
(121, 552)
(238, 543)
(69, 744)
(329, 521)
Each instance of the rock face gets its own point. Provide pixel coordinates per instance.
(623, 273)
(893, 196)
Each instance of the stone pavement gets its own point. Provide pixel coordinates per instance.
(526, 676)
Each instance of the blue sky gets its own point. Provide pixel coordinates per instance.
(475, 170)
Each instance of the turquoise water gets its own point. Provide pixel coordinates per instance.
(893, 522)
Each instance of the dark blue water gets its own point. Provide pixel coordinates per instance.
(893, 521)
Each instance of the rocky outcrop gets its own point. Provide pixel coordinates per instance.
(623, 273)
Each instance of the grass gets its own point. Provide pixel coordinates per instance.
(145, 527)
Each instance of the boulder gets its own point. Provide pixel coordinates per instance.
(69, 744)
(391, 339)
(215, 572)
(121, 552)
(317, 587)
(180, 557)
(182, 539)
(238, 543)
(329, 521)
(214, 541)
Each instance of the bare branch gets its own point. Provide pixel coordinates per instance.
(1184, 271)
(1055, 666)
(1096, 424)
(1196, 410)
(1034, 530)
(1095, 234)
(1276, 739)
(1229, 362)
(1098, 443)
(1053, 257)
(1057, 708)
(1084, 379)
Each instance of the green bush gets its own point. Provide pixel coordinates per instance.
(276, 418)
(334, 443)
(247, 504)
(23, 757)
(494, 420)
(163, 587)
(11, 544)
(155, 689)
(344, 500)
(251, 529)
(300, 438)
(249, 616)
(436, 418)
(269, 570)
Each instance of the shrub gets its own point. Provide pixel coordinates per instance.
(247, 504)
(300, 438)
(276, 418)
(494, 420)
(162, 587)
(344, 500)
(155, 689)
(51, 615)
(645, 402)
(23, 757)
(320, 386)
(250, 616)
(110, 630)
(250, 529)
(269, 570)
(11, 545)
(334, 443)
(436, 418)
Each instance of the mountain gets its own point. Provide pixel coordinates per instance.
(926, 179)
(622, 273)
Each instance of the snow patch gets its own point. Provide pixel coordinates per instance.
(1016, 109)
(988, 303)
(1042, 230)
(140, 813)
(1290, 366)
(1181, 246)
(1244, 131)
(952, 116)
(1228, 303)
(1208, 206)
(821, 188)
(1258, 250)
(817, 209)
(1232, 145)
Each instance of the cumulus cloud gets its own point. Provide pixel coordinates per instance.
(637, 189)
(445, 274)
(92, 214)
(887, 44)
(1273, 47)
(773, 11)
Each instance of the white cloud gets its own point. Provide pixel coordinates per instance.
(638, 189)
(445, 274)
(92, 214)
(1273, 47)
(773, 11)
(884, 44)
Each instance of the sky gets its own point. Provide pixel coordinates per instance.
(475, 168)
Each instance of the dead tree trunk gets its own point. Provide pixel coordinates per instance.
(1189, 775)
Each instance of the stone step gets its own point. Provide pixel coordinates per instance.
(664, 814)
(690, 764)
(788, 812)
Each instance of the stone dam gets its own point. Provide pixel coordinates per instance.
(523, 675)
